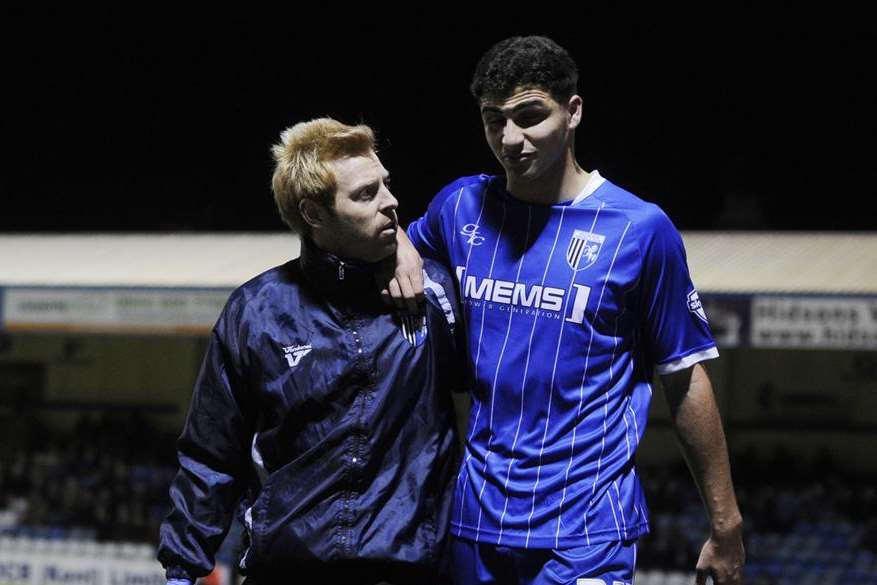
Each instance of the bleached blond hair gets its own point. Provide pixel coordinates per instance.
(301, 168)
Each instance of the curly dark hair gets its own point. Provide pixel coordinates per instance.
(525, 61)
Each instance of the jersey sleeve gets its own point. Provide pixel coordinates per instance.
(429, 233)
(673, 320)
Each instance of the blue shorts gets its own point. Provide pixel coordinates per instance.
(476, 563)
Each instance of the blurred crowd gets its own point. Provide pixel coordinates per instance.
(108, 479)
(802, 520)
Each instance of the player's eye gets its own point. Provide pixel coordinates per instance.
(494, 121)
(530, 118)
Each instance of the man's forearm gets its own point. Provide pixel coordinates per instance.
(699, 428)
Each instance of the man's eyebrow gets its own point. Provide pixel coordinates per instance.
(359, 187)
(370, 184)
(535, 102)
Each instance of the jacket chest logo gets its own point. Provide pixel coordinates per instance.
(294, 353)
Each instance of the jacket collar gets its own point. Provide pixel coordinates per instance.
(331, 274)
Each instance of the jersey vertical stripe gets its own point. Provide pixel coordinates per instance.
(584, 373)
(523, 380)
(550, 396)
(493, 386)
(581, 391)
(456, 208)
(463, 469)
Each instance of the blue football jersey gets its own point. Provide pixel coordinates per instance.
(570, 309)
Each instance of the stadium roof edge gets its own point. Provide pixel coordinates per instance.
(721, 262)
(793, 263)
(180, 260)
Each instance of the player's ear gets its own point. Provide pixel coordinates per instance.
(574, 111)
(312, 213)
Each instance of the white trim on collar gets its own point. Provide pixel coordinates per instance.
(595, 180)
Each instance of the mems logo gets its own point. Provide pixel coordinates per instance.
(521, 294)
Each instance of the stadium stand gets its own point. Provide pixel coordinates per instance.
(96, 488)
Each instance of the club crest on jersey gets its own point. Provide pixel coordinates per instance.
(413, 328)
(583, 249)
(294, 353)
(695, 306)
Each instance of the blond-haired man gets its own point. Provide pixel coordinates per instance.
(325, 414)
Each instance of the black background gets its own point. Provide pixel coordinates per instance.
(150, 120)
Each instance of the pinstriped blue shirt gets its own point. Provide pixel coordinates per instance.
(569, 309)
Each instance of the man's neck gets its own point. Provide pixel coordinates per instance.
(559, 186)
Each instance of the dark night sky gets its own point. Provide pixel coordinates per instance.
(120, 120)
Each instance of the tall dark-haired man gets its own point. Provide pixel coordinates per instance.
(575, 292)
